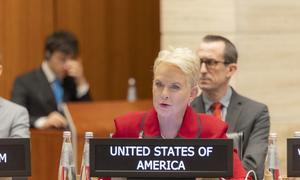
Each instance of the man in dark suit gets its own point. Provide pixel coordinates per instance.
(218, 62)
(59, 79)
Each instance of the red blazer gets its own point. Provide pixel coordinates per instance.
(204, 126)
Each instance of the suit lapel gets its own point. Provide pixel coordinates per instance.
(233, 111)
(190, 128)
(45, 90)
(1, 102)
(198, 105)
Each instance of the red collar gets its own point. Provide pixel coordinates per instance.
(189, 127)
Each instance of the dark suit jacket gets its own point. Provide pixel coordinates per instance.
(252, 118)
(34, 92)
(129, 126)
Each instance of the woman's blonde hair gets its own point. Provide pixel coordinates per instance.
(183, 58)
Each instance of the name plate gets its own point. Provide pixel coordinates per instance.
(293, 157)
(180, 158)
(15, 157)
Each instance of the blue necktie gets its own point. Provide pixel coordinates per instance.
(58, 91)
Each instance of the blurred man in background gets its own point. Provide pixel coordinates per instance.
(218, 63)
(59, 79)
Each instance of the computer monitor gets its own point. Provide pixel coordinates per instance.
(293, 157)
(161, 158)
(15, 157)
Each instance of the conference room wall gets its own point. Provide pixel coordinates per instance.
(119, 39)
(23, 27)
(267, 35)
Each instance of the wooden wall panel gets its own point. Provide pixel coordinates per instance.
(24, 25)
(88, 21)
(1, 37)
(119, 39)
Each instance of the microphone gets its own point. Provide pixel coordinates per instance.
(141, 134)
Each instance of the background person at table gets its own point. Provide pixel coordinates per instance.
(218, 57)
(14, 118)
(59, 79)
(175, 85)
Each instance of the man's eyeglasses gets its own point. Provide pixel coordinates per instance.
(211, 63)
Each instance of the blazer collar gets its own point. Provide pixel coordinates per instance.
(233, 111)
(45, 92)
(49, 74)
(188, 129)
(1, 101)
(198, 104)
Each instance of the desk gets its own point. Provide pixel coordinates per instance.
(88, 116)
(45, 153)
